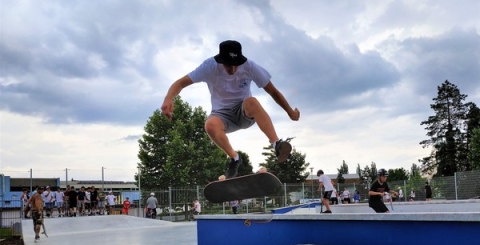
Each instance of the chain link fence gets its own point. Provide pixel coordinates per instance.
(175, 203)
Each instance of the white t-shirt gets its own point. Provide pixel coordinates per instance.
(197, 207)
(327, 182)
(228, 90)
(88, 197)
(59, 196)
(111, 199)
(346, 194)
(334, 194)
(400, 193)
(48, 196)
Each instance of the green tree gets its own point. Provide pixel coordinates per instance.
(472, 125)
(341, 171)
(373, 171)
(414, 171)
(397, 174)
(445, 131)
(178, 152)
(294, 170)
(474, 156)
(246, 167)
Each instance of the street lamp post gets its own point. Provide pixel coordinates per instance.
(311, 174)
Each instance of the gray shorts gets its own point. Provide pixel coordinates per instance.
(234, 118)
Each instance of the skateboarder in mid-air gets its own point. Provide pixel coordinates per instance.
(228, 76)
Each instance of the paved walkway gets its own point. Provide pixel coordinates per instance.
(112, 230)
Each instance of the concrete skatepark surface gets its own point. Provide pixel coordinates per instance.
(110, 230)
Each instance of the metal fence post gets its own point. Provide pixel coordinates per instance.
(303, 191)
(455, 179)
(170, 200)
(285, 194)
(405, 190)
(198, 193)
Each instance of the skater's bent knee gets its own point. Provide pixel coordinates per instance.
(214, 124)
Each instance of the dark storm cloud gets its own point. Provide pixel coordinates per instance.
(429, 61)
(78, 62)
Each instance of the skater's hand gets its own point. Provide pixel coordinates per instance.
(294, 114)
(167, 109)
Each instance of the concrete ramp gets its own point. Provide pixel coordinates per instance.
(111, 230)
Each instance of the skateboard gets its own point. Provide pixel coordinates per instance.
(243, 187)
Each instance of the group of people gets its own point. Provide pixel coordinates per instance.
(379, 192)
(43, 201)
(345, 197)
(70, 202)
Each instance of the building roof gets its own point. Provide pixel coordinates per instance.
(25, 182)
(334, 176)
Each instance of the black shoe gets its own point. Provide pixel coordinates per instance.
(232, 169)
(37, 238)
(327, 212)
(282, 150)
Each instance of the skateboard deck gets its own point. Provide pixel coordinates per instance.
(243, 187)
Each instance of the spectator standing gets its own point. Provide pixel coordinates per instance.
(24, 198)
(356, 196)
(81, 201)
(59, 197)
(126, 206)
(94, 198)
(101, 201)
(151, 206)
(48, 199)
(400, 194)
(334, 197)
(197, 208)
(234, 205)
(111, 200)
(346, 196)
(72, 201)
(326, 182)
(88, 201)
(412, 196)
(67, 202)
(428, 192)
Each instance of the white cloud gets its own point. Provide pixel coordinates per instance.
(76, 78)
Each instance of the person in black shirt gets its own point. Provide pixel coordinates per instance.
(94, 198)
(72, 201)
(377, 191)
(428, 192)
(81, 200)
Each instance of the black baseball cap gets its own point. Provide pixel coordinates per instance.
(230, 53)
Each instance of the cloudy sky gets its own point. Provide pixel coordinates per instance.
(79, 79)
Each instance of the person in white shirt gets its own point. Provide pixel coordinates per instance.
(111, 199)
(412, 196)
(59, 197)
(151, 206)
(326, 182)
(400, 194)
(88, 201)
(334, 196)
(345, 196)
(197, 208)
(48, 199)
(228, 76)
